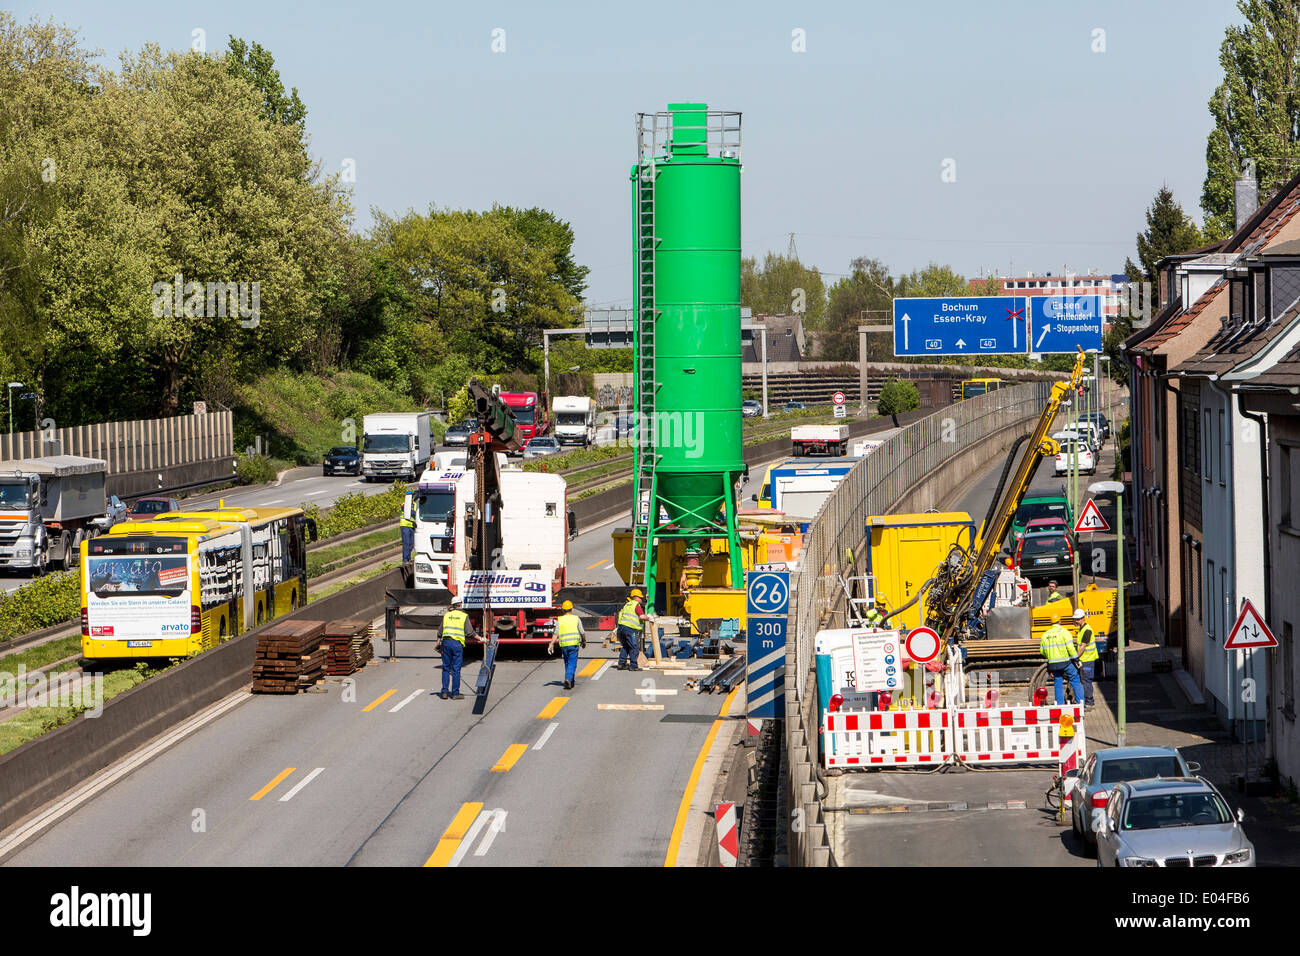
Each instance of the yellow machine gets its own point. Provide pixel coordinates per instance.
(902, 553)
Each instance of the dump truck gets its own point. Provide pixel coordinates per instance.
(48, 506)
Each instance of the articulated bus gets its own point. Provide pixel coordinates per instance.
(185, 581)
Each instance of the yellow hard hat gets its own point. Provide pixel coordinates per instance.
(567, 605)
(1010, 563)
(637, 592)
(1056, 619)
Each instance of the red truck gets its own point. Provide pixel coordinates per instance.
(529, 410)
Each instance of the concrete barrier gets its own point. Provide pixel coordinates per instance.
(42, 769)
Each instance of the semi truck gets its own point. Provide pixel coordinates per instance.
(529, 411)
(819, 439)
(575, 420)
(48, 506)
(395, 445)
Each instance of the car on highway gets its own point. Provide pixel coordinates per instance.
(540, 446)
(342, 460)
(1173, 822)
(146, 508)
(457, 436)
(1040, 504)
(751, 409)
(1051, 524)
(1090, 786)
(1076, 455)
(1100, 420)
(1044, 554)
(622, 426)
(115, 511)
(793, 407)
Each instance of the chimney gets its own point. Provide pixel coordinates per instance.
(1245, 193)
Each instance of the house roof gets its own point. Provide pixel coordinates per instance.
(784, 335)
(1284, 374)
(1140, 341)
(1201, 305)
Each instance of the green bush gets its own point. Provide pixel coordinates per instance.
(355, 510)
(254, 469)
(577, 458)
(897, 397)
(42, 602)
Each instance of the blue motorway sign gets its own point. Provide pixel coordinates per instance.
(1060, 323)
(768, 592)
(970, 325)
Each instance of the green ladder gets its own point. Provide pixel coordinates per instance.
(647, 456)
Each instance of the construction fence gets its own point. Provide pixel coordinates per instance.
(889, 474)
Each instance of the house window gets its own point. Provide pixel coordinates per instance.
(1286, 481)
(1210, 630)
(1284, 283)
(1260, 310)
(1200, 589)
(1191, 441)
(1288, 671)
(1223, 451)
(1207, 442)
(1236, 302)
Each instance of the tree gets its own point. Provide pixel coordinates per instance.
(542, 228)
(933, 281)
(1256, 109)
(254, 65)
(1169, 231)
(784, 286)
(864, 297)
(897, 397)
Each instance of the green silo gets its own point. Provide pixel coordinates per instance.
(686, 197)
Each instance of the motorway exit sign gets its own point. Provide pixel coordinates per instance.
(1064, 323)
(962, 325)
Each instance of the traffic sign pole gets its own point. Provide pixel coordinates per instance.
(1120, 676)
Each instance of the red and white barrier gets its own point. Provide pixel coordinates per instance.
(893, 738)
(728, 835)
(902, 738)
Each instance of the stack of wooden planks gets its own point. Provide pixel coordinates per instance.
(348, 643)
(291, 656)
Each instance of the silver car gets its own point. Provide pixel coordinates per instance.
(1180, 822)
(1089, 788)
(541, 446)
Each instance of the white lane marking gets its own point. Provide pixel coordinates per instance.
(652, 691)
(546, 735)
(110, 775)
(603, 667)
(395, 708)
(354, 484)
(278, 501)
(302, 783)
(498, 826)
(323, 491)
(468, 841)
(608, 567)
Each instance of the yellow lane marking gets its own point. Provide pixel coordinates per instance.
(629, 706)
(591, 668)
(375, 703)
(454, 833)
(510, 757)
(597, 564)
(684, 808)
(553, 708)
(273, 784)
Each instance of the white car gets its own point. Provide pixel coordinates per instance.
(1089, 432)
(1077, 455)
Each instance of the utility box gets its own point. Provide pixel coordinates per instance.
(903, 552)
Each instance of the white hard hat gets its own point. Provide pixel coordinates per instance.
(1080, 614)
(456, 600)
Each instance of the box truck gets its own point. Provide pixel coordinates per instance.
(395, 445)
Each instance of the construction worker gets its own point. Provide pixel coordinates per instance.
(1058, 647)
(1053, 594)
(876, 615)
(1087, 655)
(407, 524)
(456, 627)
(631, 621)
(570, 635)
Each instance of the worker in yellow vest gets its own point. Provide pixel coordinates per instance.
(1087, 655)
(1057, 646)
(407, 524)
(570, 635)
(456, 627)
(876, 615)
(631, 620)
(1053, 593)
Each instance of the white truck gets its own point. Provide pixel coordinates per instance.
(820, 439)
(531, 568)
(575, 421)
(48, 506)
(395, 445)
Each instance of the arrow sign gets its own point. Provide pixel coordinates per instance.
(961, 344)
(905, 320)
(1043, 335)
(1249, 631)
(1090, 519)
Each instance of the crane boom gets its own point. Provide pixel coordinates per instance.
(952, 589)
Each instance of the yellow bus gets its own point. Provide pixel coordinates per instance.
(972, 387)
(183, 582)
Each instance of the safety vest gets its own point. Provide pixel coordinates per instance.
(1056, 644)
(407, 521)
(1055, 596)
(874, 617)
(566, 630)
(453, 625)
(627, 616)
(1087, 645)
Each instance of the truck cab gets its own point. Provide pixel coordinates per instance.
(529, 413)
(395, 445)
(438, 499)
(575, 420)
(48, 506)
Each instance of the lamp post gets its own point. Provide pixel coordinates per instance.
(1117, 489)
(12, 386)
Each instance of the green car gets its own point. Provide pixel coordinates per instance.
(1039, 505)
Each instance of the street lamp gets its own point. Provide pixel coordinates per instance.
(1116, 488)
(12, 386)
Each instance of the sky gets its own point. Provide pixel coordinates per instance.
(997, 138)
